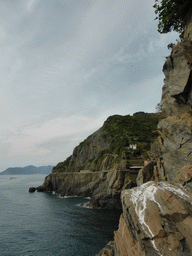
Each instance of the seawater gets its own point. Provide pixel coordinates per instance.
(45, 224)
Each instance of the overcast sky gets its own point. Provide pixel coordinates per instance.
(66, 65)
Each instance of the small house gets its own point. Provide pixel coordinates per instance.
(133, 146)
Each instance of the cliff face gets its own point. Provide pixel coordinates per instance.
(99, 166)
(156, 220)
(175, 128)
(157, 215)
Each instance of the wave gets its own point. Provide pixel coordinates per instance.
(68, 196)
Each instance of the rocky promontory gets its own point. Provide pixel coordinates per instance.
(103, 165)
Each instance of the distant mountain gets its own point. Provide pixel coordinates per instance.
(30, 169)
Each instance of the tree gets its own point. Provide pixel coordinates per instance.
(172, 14)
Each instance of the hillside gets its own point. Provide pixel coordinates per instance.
(110, 148)
(100, 166)
(27, 170)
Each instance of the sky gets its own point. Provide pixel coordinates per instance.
(67, 65)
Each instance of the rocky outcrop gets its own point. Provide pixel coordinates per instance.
(32, 190)
(108, 250)
(104, 188)
(145, 174)
(156, 220)
(175, 128)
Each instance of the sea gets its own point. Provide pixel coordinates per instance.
(45, 224)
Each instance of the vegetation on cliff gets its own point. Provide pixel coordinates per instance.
(110, 146)
(172, 14)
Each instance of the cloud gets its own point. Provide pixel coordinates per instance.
(66, 66)
(29, 138)
(31, 4)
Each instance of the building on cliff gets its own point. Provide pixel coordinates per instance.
(133, 146)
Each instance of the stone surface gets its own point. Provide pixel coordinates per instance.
(156, 220)
(175, 129)
(185, 173)
(145, 174)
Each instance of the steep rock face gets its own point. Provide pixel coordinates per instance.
(175, 128)
(156, 220)
(174, 145)
(104, 188)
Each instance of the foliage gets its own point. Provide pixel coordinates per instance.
(125, 130)
(172, 14)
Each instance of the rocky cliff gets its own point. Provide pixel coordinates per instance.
(157, 215)
(108, 148)
(99, 166)
(156, 220)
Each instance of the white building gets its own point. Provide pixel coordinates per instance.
(133, 146)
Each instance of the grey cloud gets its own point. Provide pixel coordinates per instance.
(74, 58)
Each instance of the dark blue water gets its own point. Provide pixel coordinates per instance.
(44, 224)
